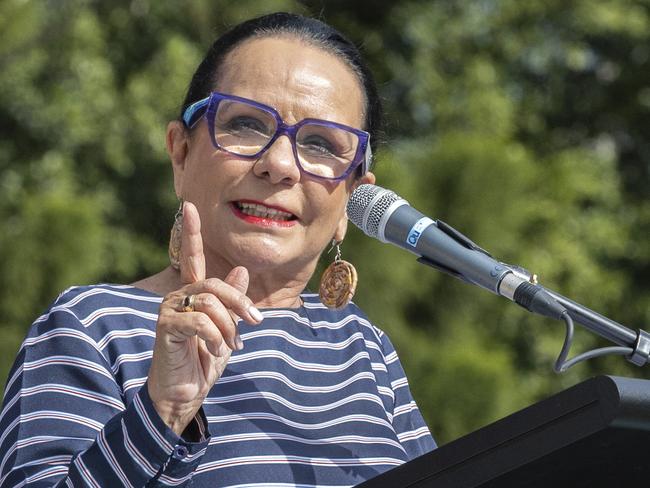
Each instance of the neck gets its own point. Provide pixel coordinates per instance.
(268, 286)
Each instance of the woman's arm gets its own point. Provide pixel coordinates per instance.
(64, 421)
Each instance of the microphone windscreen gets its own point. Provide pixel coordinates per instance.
(367, 206)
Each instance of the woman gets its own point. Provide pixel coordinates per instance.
(160, 383)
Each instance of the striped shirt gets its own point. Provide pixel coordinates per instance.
(316, 398)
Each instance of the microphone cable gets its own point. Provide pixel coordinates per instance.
(562, 364)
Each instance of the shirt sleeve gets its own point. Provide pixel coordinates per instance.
(411, 429)
(64, 421)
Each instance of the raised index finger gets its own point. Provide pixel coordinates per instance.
(192, 258)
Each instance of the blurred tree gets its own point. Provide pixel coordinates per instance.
(523, 124)
(508, 124)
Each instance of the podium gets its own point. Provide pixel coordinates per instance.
(594, 434)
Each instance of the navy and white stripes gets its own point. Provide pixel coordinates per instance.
(316, 398)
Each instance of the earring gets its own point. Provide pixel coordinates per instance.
(338, 282)
(174, 249)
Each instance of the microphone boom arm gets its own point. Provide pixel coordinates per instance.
(637, 342)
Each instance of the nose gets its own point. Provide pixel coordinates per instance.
(278, 163)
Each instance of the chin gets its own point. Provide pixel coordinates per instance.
(260, 254)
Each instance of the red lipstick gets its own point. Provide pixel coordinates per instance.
(261, 221)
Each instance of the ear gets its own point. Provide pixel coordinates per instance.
(177, 148)
(368, 178)
(342, 227)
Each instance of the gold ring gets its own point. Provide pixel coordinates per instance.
(188, 303)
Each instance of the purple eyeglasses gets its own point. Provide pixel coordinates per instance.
(246, 128)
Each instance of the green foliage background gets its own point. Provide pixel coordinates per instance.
(524, 124)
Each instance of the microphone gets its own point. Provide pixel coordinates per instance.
(382, 214)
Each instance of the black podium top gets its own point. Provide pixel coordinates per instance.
(594, 434)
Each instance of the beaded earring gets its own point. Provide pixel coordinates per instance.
(338, 282)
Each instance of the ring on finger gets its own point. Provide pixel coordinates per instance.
(187, 305)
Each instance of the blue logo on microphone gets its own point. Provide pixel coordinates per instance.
(416, 231)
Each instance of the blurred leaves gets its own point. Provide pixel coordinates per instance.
(525, 125)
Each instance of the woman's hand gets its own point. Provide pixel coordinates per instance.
(192, 348)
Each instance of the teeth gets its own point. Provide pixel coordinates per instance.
(261, 211)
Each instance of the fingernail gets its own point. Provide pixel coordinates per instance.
(256, 314)
(239, 343)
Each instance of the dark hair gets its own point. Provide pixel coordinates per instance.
(307, 29)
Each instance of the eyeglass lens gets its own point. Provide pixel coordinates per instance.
(244, 129)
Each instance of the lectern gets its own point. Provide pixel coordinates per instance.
(594, 434)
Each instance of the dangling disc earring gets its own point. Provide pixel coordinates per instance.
(338, 282)
(174, 249)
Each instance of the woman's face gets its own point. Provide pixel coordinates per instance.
(300, 81)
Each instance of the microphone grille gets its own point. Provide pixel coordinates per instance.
(358, 203)
(367, 206)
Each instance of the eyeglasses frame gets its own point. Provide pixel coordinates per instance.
(194, 112)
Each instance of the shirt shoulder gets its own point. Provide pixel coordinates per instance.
(351, 315)
(98, 308)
